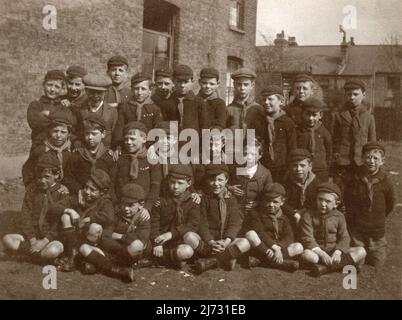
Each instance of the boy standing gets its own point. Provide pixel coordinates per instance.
(369, 198)
(164, 87)
(119, 90)
(75, 86)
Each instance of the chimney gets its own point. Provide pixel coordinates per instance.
(292, 42)
(280, 40)
(352, 41)
(344, 54)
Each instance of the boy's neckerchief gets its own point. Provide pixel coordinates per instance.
(116, 89)
(140, 106)
(311, 144)
(303, 186)
(214, 95)
(271, 132)
(225, 194)
(59, 150)
(46, 201)
(369, 181)
(130, 221)
(134, 167)
(178, 209)
(274, 218)
(92, 158)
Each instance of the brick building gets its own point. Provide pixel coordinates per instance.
(150, 33)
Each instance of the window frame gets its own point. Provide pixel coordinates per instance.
(240, 9)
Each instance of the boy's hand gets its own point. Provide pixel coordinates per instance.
(196, 197)
(236, 190)
(163, 238)
(45, 113)
(157, 204)
(336, 257)
(158, 251)
(297, 217)
(217, 247)
(74, 215)
(324, 257)
(278, 256)
(115, 154)
(144, 214)
(83, 222)
(270, 253)
(63, 190)
(116, 236)
(65, 103)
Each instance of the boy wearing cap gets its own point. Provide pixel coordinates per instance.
(93, 155)
(324, 234)
(40, 214)
(57, 143)
(314, 137)
(215, 106)
(119, 91)
(76, 95)
(133, 166)
(270, 233)
(140, 107)
(279, 133)
(175, 219)
(354, 126)
(220, 224)
(164, 87)
(184, 106)
(369, 199)
(39, 110)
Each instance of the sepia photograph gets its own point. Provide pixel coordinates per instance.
(203, 150)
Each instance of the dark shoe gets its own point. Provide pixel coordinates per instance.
(253, 262)
(88, 268)
(203, 265)
(319, 270)
(125, 274)
(69, 265)
(229, 265)
(289, 265)
(143, 263)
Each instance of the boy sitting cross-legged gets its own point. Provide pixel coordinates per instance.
(324, 234)
(270, 233)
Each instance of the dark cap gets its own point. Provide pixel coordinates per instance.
(132, 192)
(76, 71)
(101, 179)
(215, 169)
(139, 77)
(313, 105)
(117, 61)
(182, 72)
(93, 120)
(299, 155)
(180, 171)
(209, 73)
(55, 75)
(61, 118)
(243, 73)
(271, 90)
(274, 191)
(354, 84)
(135, 125)
(303, 78)
(329, 187)
(164, 125)
(373, 145)
(97, 82)
(165, 73)
(48, 161)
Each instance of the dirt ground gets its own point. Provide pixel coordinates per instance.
(24, 281)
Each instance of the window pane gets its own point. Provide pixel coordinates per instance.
(232, 65)
(233, 13)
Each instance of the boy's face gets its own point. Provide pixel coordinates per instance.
(303, 90)
(311, 118)
(272, 104)
(373, 160)
(134, 140)
(301, 169)
(164, 87)
(243, 87)
(355, 97)
(141, 91)
(118, 74)
(59, 135)
(93, 137)
(183, 86)
(166, 143)
(178, 186)
(208, 85)
(130, 209)
(273, 205)
(75, 87)
(95, 97)
(217, 183)
(326, 202)
(253, 155)
(91, 192)
(53, 88)
(47, 179)
(217, 143)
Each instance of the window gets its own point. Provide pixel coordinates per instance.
(158, 34)
(233, 64)
(236, 14)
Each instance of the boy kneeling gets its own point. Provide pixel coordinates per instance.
(270, 233)
(325, 236)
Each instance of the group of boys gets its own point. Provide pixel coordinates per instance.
(312, 195)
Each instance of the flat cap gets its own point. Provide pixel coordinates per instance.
(165, 73)
(61, 117)
(354, 84)
(101, 179)
(299, 154)
(139, 77)
(136, 125)
(93, 120)
(313, 105)
(274, 191)
(182, 72)
(303, 78)
(215, 169)
(271, 90)
(164, 125)
(209, 73)
(132, 192)
(180, 171)
(243, 73)
(48, 161)
(55, 75)
(97, 82)
(373, 145)
(76, 71)
(329, 187)
(117, 61)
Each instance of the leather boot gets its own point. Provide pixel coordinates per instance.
(125, 274)
(227, 259)
(203, 249)
(70, 239)
(288, 265)
(205, 264)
